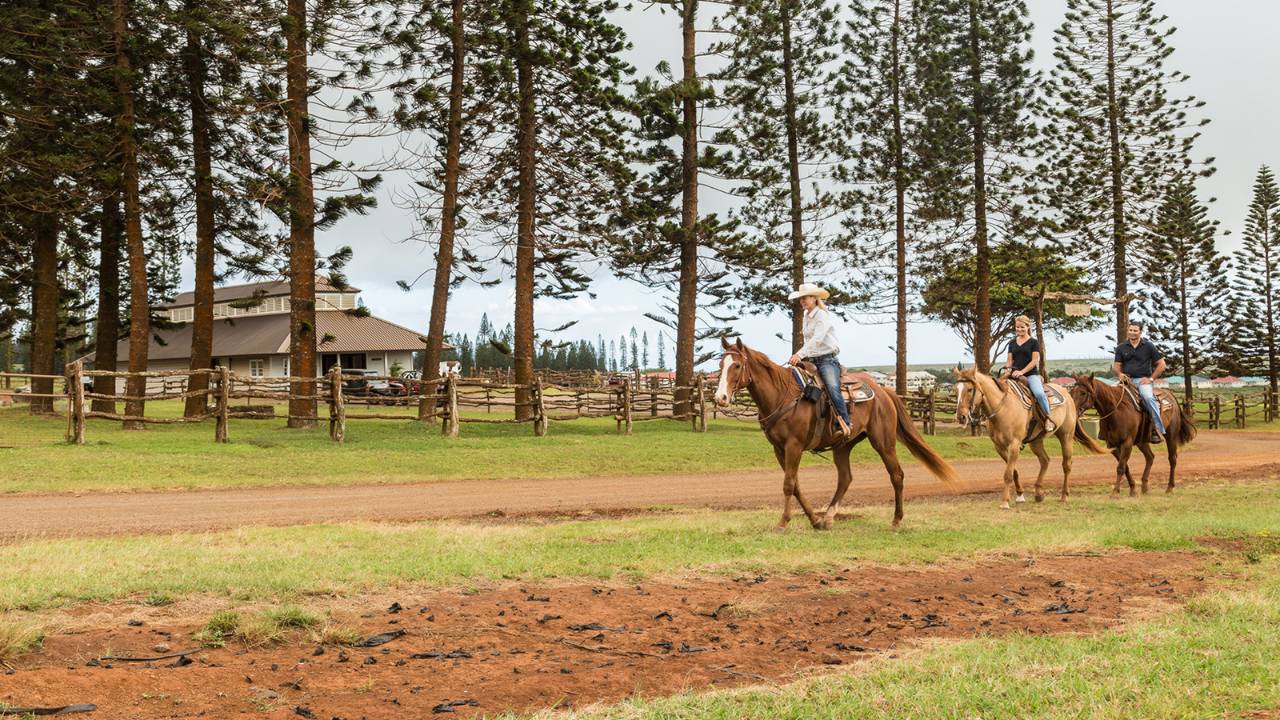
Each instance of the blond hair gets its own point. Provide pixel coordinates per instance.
(1023, 319)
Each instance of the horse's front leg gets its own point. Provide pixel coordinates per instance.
(844, 476)
(1150, 458)
(1172, 441)
(1121, 454)
(1010, 454)
(789, 458)
(1038, 448)
(1066, 438)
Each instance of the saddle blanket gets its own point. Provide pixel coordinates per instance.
(1055, 395)
(855, 391)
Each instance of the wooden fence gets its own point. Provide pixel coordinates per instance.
(1240, 409)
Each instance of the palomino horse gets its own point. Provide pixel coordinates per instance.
(795, 426)
(1007, 419)
(1123, 425)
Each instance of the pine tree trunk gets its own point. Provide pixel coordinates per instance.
(1118, 240)
(302, 245)
(526, 157)
(1273, 357)
(982, 296)
(900, 205)
(687, 301)
(44, 309)
(107, 326)
(793, 172)
(139, 307)
(202, 321)
(448, 210)
(1184, 323)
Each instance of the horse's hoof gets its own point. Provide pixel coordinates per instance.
(1062, 499)
(1039, 497)
(1021, 498)
(780, 529)
(1168, 491)
(1004, 506)
(824, 524)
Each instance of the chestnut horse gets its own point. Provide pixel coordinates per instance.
(1007, 418)
(1122, 426)
(795, 426)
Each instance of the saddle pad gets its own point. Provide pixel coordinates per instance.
(1056, 396)
(858, 394)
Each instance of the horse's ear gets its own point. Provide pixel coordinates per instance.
(1091, 374)
(955, 371)
(740, 345)
(724, 342)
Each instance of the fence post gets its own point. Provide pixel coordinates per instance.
(539, 408)
(702, 402)
(1239, 411)
(626, 406)
(450, 427)
(223, 403)
(930, 420)
(77, 401)
(340, 406)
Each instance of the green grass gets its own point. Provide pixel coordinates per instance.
(289, 564)
(268, 626)
(264, 453)
(1213, 658)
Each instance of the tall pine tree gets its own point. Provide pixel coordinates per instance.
(1183, 273)
(1257, 280)
(976, 88)
(1118, 131)
(780, 142)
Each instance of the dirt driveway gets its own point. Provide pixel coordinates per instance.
(27, 516)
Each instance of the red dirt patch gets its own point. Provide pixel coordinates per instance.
(527, 647)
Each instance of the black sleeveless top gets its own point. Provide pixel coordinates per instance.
(1022, 354)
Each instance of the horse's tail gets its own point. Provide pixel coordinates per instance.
(914, 441)
(1087, 440)
(1186, 426)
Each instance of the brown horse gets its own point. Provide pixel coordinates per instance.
(795, 426)
(1122, 426)
(1007, 419)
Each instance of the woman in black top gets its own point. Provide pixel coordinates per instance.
(1024, 359)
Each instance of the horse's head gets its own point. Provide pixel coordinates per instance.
(1082, 394)
(968, 393)
(735, 371)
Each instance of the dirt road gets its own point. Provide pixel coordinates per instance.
(28, 516)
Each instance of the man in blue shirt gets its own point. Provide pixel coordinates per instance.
(1139, 360)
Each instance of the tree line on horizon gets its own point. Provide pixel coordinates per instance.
(904, 153)
(491, 349)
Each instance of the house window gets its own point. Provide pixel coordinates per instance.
(257, 368)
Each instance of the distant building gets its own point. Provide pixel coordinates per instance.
(1064, 381)
(251, 333)
(881, 378)
(1229, 381)
(1254, 380)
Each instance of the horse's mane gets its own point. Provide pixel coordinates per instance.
(777, 375)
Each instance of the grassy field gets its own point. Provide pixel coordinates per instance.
(264, 452)
(289, 564)
(1215, 658)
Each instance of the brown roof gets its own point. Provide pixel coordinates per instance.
(270, 288)
(258, 335)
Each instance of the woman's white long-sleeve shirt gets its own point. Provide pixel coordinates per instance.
(819, 334)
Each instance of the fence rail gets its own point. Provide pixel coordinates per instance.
(453, 402)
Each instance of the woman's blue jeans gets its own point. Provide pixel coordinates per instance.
(1036, 383)
(829, 370)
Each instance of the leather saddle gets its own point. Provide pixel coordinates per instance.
(855, 391)
(1023, 391)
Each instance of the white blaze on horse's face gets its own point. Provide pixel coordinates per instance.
(722, 390)
(962, 416)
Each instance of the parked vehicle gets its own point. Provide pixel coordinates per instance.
(356, 382)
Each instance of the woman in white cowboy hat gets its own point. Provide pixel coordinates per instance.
(820, 346)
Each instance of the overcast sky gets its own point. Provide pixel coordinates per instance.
(1227, 46)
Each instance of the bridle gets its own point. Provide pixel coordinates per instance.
(1092, 395)
(766, 423)
(978, 412)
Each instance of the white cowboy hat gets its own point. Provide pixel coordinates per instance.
(809, 289)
